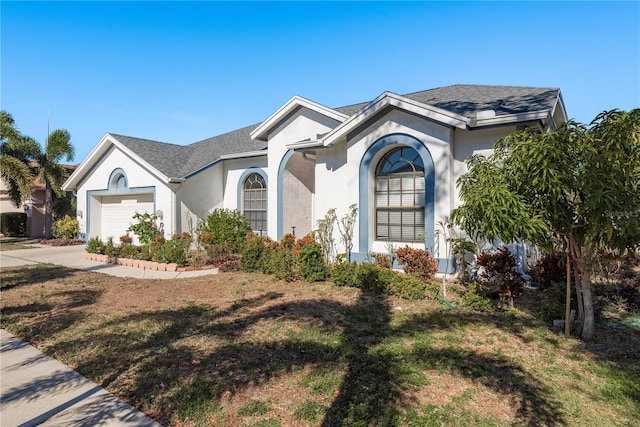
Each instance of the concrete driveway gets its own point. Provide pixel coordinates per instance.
(72, 257)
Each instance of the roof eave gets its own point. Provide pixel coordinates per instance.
(244, 155)
(506, 119)
(71, 183)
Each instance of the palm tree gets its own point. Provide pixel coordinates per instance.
(50, 172)
(15, 151)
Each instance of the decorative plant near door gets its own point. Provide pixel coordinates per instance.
(345, 225)
(146, 229)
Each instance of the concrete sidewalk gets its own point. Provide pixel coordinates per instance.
(72, 257)
(38, 390)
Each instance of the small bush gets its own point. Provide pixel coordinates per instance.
(125, 239)
(13, 223)
(127, 250)
(227, 262)
(383, 260)
(283, 264)
(171, 251)
(306, 240)
(500, 268)
(417, 262)
(407, 287)
(288, 241)
(553, 301)
(312, 265)
(373, 278)
(477, 297)
(146, 229)
(95, 246)
(65, 228)
(343, 273)
(225, 230)
(110, 248)
(254, 254)
(551, 268)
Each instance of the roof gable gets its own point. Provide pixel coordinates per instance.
(290, 107)
(381, 105)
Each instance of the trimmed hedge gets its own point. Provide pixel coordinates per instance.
(13, 223)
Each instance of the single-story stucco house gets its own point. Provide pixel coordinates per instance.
(397, 157)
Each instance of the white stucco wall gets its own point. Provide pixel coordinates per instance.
(199, 195)
(303, 125)
(98, 179)
(215, 187)
(337, 174)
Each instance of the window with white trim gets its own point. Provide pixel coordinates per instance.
(400, 196)
(254, 203)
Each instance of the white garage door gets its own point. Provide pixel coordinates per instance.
(118, 211)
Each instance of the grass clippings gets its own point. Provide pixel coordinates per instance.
(246, 349)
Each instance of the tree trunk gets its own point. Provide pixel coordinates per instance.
(588, 326)
(579, 302)
(48, 214)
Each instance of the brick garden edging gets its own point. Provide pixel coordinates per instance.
(146, 265)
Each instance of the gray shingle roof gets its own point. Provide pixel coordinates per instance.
(468, 99)
(465, 100)
(178, 161)
(167, 158)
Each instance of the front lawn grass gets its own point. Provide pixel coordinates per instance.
(246, 349)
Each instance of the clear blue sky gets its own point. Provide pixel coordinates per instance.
(181, 72)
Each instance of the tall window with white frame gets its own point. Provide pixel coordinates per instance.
(254, 203)
(400, 196)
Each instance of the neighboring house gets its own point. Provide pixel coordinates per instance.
(33, 207)
(397, 157)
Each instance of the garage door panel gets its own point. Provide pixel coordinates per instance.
(118, 212)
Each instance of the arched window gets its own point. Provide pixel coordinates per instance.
(254, 201)
(400, 196)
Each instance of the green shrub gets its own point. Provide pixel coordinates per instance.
(110, 248)
(552, 301)
(13, 223)
(65, 228)
(146, 229)
(95, 246)
(477, 297)
(407, 287)
(225, 230)
(418, 263)
(254, 254)
(127, 250)
(372, 277)
(344, 273)
(146, 251)
(312, 265)
(283, 264)
(171, 251)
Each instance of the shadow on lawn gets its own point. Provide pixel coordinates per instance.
(164, 376)
(33, 275)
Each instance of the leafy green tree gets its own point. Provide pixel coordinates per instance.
(579, 185)
(15, 151)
